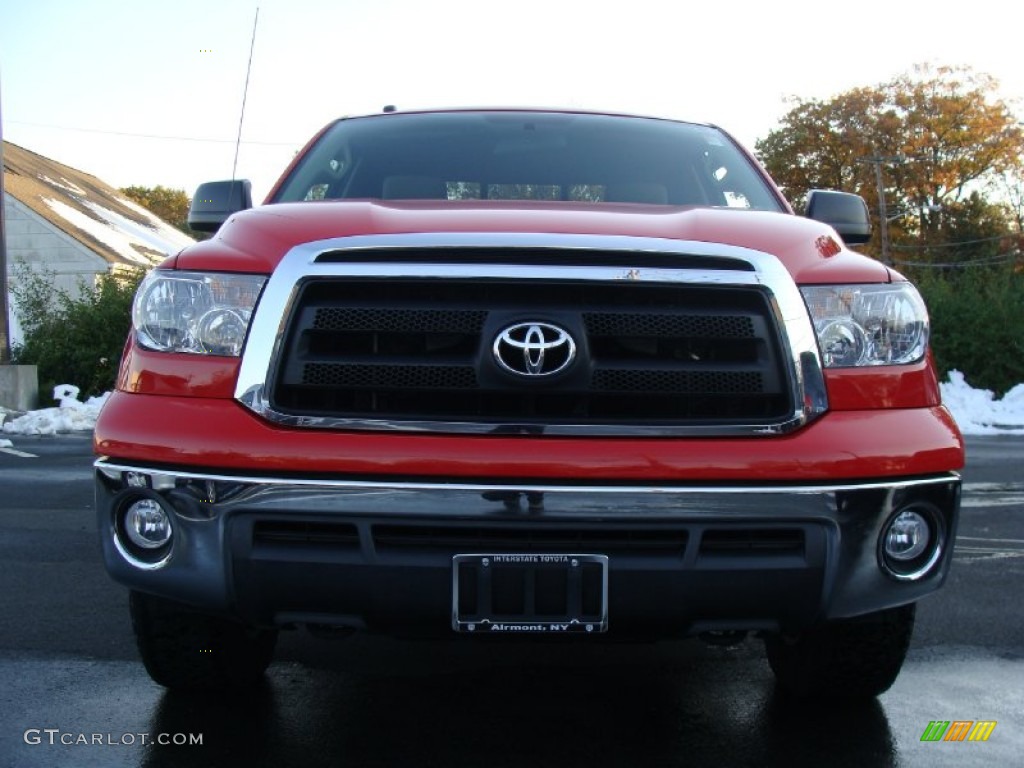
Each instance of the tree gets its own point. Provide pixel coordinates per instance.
(939, 135)
(1012, 192)
(171, 205)
(971, 232)
(821, 143)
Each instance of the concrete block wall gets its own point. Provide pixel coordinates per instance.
(34, 241)
(19, 387)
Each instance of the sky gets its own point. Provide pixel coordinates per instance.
(976, 411)
(148, 92)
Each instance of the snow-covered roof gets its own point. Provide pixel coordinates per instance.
(89, 210)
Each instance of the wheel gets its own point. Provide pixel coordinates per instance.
(183, 649)
(846, 659)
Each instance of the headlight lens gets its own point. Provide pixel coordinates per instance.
(862, 325)
(204, 314)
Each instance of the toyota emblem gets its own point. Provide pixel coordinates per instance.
(534, 349)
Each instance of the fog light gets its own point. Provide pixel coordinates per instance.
(912, 542)
(908, 536)
(147, 524)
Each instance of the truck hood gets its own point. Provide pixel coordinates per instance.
(255, 240)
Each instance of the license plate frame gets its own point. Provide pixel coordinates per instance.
(530, 593)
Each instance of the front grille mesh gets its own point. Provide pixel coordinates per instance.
(679, 382)
(338, 375)
(669, 325)
(349, 319)
(421, 350)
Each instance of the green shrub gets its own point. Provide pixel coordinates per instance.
(976, 316)
(73, 340)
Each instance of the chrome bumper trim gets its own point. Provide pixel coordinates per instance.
(114, 470)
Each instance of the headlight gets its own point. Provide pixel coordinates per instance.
(205, 314)
(860, 325)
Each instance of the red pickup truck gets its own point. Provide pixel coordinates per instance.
(535, 373)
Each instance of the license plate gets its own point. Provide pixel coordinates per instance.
(530, 593)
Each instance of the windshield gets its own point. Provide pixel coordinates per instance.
(527, 156)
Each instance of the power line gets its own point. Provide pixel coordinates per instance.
(993, 239)
(988, 262)
(158, 137)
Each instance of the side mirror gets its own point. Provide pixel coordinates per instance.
(846, 213)
(215, 201)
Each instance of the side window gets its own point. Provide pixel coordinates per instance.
(523, 192)
(325, 180)
(579, 193)
(317, 192)
(734, 180)
(463, 190)
(723, 180)
(588, 193)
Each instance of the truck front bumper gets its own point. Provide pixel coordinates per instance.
(379, 555)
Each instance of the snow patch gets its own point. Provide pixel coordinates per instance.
(978, 412)
(66, 185)
(70, 416)
(123, 236)
(166, 232)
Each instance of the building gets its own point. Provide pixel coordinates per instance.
(74, 225)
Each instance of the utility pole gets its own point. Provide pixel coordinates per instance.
(19, 384)
(5, 334)
(883, 214)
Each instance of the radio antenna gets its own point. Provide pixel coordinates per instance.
(245, 93)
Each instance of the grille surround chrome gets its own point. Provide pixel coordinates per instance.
(372, 256)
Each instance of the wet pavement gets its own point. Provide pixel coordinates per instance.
(679, 705)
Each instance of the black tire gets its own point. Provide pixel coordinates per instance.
(183, 649)
(847, 659)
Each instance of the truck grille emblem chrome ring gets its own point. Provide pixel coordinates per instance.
(534, 349)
